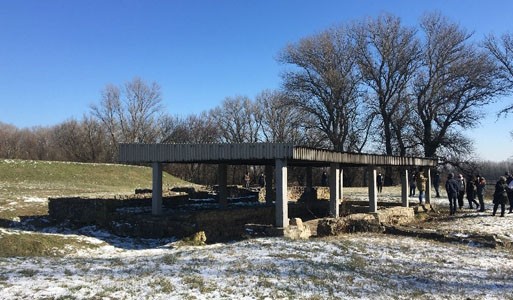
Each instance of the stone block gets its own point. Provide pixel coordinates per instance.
(331, 226)
(363, 223)
(396, 215)
(297, 230)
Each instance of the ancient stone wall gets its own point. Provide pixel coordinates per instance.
(98, 210)
(131, 216)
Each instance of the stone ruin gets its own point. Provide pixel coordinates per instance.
(188, 211)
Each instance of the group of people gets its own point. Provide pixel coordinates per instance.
(247, 180)
(457, 187)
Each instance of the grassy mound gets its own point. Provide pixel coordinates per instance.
(38, 244)
(25, 185)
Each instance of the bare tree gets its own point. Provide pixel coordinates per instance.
(130, 114)
(82, 141)
(388, 54)
(324, 85)
(192, 129)
(279, 122)
(235, 120)
(455, 82)
(27, 143)
(8, 141)
(95, 140)
(502, 50)
(68, 138)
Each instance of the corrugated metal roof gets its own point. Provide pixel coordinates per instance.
(256, 153)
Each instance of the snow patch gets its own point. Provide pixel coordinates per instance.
(35, 200)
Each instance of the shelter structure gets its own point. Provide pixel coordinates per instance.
(279, 156)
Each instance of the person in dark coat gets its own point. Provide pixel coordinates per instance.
(261, 180)
(461, 189)
(452, 188)
(471, 192)
(436, 184)
(509, 182)
(480, 190)
(324, 179)
(413, 185)
(379, 182)
(500, 196)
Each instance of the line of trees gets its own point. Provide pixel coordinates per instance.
(375, 85)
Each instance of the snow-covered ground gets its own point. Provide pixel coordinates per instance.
(355, 266)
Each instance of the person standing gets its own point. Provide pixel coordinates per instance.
(461, 189)
(261, 180)
(509, 182)
(471, 192)
(421, 185)
(379, 182)
(436, 183)
(480, 190)
(452, 188)
(500, 196)
(247, 179)
(324, 179)
(413, 185)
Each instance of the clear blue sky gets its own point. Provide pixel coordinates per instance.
(57, 55)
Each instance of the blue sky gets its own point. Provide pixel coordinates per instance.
(57, 55)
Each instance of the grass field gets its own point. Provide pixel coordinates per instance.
(25, 185)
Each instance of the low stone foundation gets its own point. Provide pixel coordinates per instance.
(187, 211)
(222, 224)
(182, 217)
(365, 222)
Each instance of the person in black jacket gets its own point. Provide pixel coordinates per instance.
(461, 188)
(379, 182)
(500, 196)
(471, 192)
(436, 184)
(480, 190)
(452, 188)
(509, 182)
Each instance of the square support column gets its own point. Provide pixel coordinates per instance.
(268, 184)
(405, 188)
(156, 193)
(282, 209)
(222, 172)
(309, 184)
(373, 199)
(341, 185)
(428, 186)
(334, 179)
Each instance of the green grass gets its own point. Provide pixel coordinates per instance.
(38, 244)
(22, 179)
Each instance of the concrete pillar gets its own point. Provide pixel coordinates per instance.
(222, 172)
(268, 184)
(373, 199)
(282, 209)
(341, 185)
(309, 184)
(334, 179)
(405, 188)
(156, 194)
(428, 186)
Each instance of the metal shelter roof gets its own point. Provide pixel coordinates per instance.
(258, 154)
